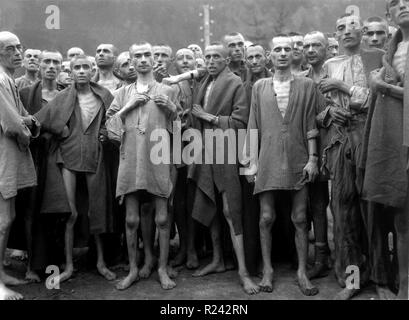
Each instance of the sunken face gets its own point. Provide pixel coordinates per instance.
(31, 59)
(81, 71)
(11, 52)
(125, 68)
(333, 48)
(255, 59)
(105, 55)
(399, 12)
(185, 60)
(315, 48)
(162, 56)
(349, 31)
(376, 34)
(200, 63)
(215, 59)
(142, 58)
(298, 46)
(281, 52)
(50, 65)
(235, 44)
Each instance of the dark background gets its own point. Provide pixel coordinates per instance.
(86, 23)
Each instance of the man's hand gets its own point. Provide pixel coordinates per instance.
(164, 102)
(310, 171)
(198, 112)
(103, 138)
(170, 80)
(329, 84)
(136, 101)
(28, 121)
(376, 80)
(160, 71)
(250, 173)
(339, 115)
(251, 178)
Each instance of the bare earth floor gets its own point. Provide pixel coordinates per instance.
(224, 286)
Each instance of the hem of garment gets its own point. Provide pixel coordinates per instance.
(281, 188)
(8, 195)
(125, 193)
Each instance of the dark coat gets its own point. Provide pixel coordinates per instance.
(384, 150)
(54, 117)
(228, 101)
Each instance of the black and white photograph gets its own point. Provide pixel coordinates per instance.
(204, 154)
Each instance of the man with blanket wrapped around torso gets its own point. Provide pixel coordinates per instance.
(385, 158)
(220, 107)
(346, 84)
(76, 117)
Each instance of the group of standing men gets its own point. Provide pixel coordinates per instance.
(84, 147)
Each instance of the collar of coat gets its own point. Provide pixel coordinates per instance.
(219, 86)
(59, 110)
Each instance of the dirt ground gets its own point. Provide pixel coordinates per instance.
(87, 284)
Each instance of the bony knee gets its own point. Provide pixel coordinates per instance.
(299, 222)
(161, 221)
(5, 224)
(266, 219)
(73, 217)
(132, 222)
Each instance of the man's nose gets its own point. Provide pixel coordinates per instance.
(131, 67)
(402, 4)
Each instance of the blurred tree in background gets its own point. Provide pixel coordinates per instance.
(86, 23)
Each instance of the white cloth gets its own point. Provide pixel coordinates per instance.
(349, 69)
(89, 106)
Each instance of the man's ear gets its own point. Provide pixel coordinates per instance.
(228, 60)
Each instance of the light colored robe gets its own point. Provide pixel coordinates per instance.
(16, 164)
(136, 170)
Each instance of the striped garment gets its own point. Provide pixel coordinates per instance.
(282, 90)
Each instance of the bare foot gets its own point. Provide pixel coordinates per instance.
(345, 294)
(172, 272)
(126, 282)
(319, 270)
(306, 286)
(7, 294)
(249, 286)
(105, 272)
(165, 282)
(67, 274)
(192, 261)
(11, 281)
(213, 267)
(147, 269)
(266, 283)
(32, 277)
(18, 255)
(179, 259)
